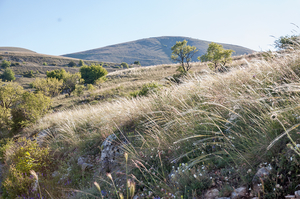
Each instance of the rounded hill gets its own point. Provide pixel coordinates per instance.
(15, 49)
(150, 51)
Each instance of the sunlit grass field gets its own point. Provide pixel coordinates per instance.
(211, 130)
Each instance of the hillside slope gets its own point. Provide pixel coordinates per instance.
(214, 131)
(15, 49)
(150, 51)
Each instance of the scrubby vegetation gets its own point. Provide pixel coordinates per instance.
(19, 108)
(92, 73)
(8, 75)
(172, 140)
(5, 64)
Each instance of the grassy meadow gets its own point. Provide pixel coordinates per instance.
(211, 130)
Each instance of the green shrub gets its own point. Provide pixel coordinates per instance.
(81, 63)
(92, 73)
(79, 90)
(124, 65)
(16, 183)
(72, 64)
(137, 62)
(69, 80)
(90, 87)
(28, 74)
(7, 102)
(286, 42)
(21, 109)
(5, 64)
(58, 74)
(45, 64)
(8, 75)
(49, 87)
(30, 108)
(146, 89)
(22, 157)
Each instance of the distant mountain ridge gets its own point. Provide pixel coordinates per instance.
(150, 51)
(15, 49)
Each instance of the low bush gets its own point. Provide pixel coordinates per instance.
(146, 89)
(124, 65)
(5, 64)
(8, 75)
(50, 87)
(28, 74)
(22, 109)
(21, 158)
(92, 73)
(79, 90)
(72, 64)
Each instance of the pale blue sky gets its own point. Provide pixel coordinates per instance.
(59, 27)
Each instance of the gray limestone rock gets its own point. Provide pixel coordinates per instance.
(110, 152)
(239, 192)
(211, 194)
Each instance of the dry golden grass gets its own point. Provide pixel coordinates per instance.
(122, 82)
(188, 122)
(215, 88)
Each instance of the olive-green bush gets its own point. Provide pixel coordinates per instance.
(92, 73)
(8, 75)
(19, 108)
(20, 158)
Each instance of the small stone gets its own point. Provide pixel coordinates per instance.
(262, 173)
(290, 197)
(212, 194)
(81, 162)
(41, 137)
(111, 151)
(239, 192)
(297, 194)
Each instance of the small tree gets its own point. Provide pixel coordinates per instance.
(91, 73)
(28, 74)
(30, 108)
(72, 64)
(137, 62)
(217, 55)
(81, 63)
(5, 64)
(58, 74)
(287, 41)
(10, 94)
(181, 52)
(8, 75)
(70, 82)
(79, 90)
(49, 87)
(124, 65)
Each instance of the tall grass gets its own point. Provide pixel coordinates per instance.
(211, 119)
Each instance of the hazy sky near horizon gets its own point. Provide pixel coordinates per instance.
(59, 27)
